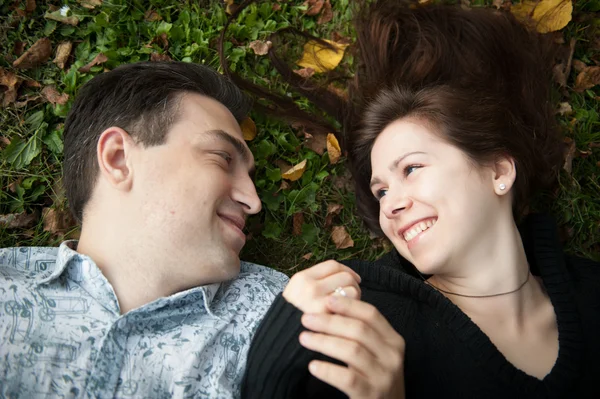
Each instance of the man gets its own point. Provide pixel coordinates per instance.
(153, 300)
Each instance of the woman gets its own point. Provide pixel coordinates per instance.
(450, 132)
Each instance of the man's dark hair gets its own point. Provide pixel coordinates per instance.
(142, 99)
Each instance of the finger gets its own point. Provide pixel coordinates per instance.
(328, 268)
(354, 330)
(367, 313)
(350, 352)
(328, 285)
(349, 292)
(349, 381)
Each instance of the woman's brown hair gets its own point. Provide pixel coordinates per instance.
(478, 77)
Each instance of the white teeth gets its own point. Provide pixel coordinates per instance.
(419, 228)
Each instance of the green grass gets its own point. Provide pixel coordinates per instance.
(31, 166)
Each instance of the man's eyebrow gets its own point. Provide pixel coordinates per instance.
(394, 165)
(237, 144)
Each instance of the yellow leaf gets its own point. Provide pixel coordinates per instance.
(248, 129)
(333, 148)
(295, 172)
(545, 15)
(320, 58)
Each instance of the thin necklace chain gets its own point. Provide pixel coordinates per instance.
(477, 296)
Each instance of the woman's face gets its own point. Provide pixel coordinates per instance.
(434, 202)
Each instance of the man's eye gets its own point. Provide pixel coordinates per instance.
(411, 168)
(225, 156)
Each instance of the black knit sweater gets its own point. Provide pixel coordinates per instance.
(447, 355)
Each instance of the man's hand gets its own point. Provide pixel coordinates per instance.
(358, 335)
(308, 290)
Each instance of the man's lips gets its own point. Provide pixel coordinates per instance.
(235, 220)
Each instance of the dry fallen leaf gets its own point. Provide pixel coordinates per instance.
(12, 82)
(565, 109)
(99, 59)
(30, 6)
(18, 220)
(341, 238)
(305, 72)
(35, 55)
(326, 14)
(546, 15)
(295, 172)
(230, 6)
(62, 54)
(18, 48)
(333, 148)
(59, 17)
(587, 78)
(307, 256)
(260, 47)
(56, 220)
(579, 65)
(276, 7)
(316, 142)
(314, 7)
(332, 211)
(28, 100)
(156, 57)
(570, 152)
(53, 96)
(321, 58)
(248, 129)
(90, 4)
(152, 16)
(298, 220)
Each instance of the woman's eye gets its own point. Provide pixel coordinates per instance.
(380, 193)
(410, 168)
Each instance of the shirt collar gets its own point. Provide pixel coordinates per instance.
(66, 254)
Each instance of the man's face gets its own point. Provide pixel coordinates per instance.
(195, 192)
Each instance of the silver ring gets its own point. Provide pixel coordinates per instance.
(340, 291)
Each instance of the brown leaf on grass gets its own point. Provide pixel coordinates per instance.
(90, 4)
(27, 100)
(230, 6)
(30, 6)
(587, 78)
(544, 15)
(307, 256)
(99, 59)
(161, 40)
(260, 47)
(18, 220)
(156, 57)
(295, 172)
(248, 128)
(284, 185)
(35, 55)
(579, 65)
(332, 211)
(565, 109)
(56, 220)
(314, 7)
(59, 17)
(32, 83)
(63, 50)
(152, 16)
(341, 238)
(333, 149)
(4, 141)
(298, 221)
(53, 96)
(305, 72)
(276, 7)
(12, 82)
(336, 37)
(326, 14)
(316, 142)
(18, 48)
(570, 151)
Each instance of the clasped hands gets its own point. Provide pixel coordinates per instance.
(344, 328)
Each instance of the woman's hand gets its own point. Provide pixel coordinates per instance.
(308, 290)
(358, 335)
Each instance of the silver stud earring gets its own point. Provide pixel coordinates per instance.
(502, 186)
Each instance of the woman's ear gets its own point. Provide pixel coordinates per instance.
(504, 174)
(114, 150)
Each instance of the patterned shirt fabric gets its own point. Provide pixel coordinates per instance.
(62, 334)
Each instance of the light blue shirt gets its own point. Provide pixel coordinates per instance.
(62, 335)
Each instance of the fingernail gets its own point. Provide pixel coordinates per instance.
(304, 338)
(312, 367)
